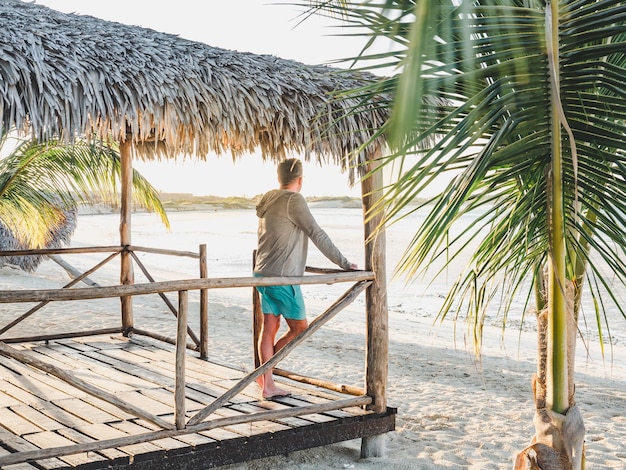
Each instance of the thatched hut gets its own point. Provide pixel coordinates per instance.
(67, 75)
(160, 96)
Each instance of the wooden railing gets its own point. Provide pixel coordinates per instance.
(361, 279)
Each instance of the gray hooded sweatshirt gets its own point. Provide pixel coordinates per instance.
(285, 225)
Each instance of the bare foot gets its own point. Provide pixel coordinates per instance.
(259, 381)
(275, 392)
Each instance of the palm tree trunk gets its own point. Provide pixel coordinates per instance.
(558, 443)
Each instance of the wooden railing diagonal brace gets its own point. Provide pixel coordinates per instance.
(315, 325)
(43, 303)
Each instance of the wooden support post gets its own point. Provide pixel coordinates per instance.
(126, 264)
(257, 320)
(377, 348)
(181, 351)
(204, 305)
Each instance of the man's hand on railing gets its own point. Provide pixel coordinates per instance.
(312, 269)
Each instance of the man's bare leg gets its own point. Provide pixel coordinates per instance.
(295, 328)
(271, 324)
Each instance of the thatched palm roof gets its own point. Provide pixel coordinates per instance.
(69, 74)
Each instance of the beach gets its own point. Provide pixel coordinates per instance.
(454, 410)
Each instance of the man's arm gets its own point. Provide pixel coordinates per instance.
(300, 214)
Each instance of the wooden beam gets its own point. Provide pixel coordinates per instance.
(63, 251)
(257, 320)
(341, 388)
(181, 352)
(163, 251)
(204, 305)
(127, 276)
(53, 336)
(377, 329)
(37, 295)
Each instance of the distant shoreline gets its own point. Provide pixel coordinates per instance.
(181, 202)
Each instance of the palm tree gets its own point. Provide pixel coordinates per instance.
(531, 136)
(41, 185)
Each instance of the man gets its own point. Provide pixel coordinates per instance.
(285, 226)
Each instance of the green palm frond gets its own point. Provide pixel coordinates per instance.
(40, 181)
(490, 137)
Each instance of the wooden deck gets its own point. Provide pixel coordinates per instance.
(47, 423)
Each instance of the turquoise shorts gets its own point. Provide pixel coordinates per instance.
(283, 300)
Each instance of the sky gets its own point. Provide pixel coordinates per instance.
(258, 26)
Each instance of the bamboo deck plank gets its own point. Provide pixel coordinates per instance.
(108, 407)
(207, 392)
(90, 376)
(315, 417)
(115, 456)
(192, 440)
(344, 413)
(161, 353)
(295, 421)
(29, 381)
(64, 418)
(159, 356)
(17, 466)
(131, 428)
(102, 431)
(62, 360)
(52, 439)
(203, 383)
(85, 410)
(130, 350)
(95, 373)
(34, 416)
(28, 398)
(269, 426)
(200, 370)
(13, 443)
(76, 345)
(6, 400)
(167, 398)
(55, 347)
(127, 375)
(16, 423)
(66, 389)
(125, 363)
(145, 402)
(220, 434)
(93, 343)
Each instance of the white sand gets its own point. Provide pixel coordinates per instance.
(453, 412)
